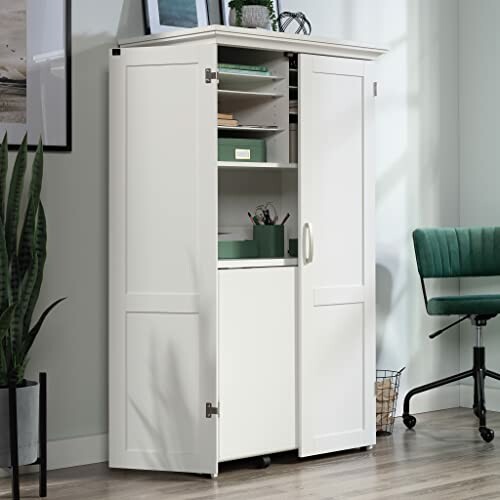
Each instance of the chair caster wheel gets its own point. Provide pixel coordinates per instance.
(410, 421)
(487, 434)
(263, 462)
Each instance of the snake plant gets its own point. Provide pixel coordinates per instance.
(23, 250)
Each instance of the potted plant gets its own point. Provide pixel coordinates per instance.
(22, 259)
(253, 14)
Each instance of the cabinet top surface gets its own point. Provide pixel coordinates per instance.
(257, 39)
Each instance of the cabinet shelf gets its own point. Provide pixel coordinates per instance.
(254, 130)
(247, 165)
(245, 94)
(255, 263)
(230, 77)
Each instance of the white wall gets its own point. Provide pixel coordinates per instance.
(479, 51)
(417, 166)
(416, 185)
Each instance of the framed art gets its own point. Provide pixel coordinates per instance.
(169, 15)
(35, 73)
(224, 8)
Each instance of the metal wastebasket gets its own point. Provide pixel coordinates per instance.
(387, 390)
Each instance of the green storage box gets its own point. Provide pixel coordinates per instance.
(235, 149)
(246, 249)
(293, 247)
(270, 241)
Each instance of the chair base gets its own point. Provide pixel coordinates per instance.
(478, 373)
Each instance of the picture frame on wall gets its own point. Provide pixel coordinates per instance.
(169, 15)
(35, 73)
(224, 10)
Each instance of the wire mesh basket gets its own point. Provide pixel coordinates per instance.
(387, 390)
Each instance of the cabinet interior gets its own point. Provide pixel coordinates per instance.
(259, 103)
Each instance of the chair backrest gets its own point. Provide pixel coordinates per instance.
(456, 252)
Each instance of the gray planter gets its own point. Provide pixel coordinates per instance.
(27, 424)
(252, 16)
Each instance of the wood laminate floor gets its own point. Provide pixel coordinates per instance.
(443, 459)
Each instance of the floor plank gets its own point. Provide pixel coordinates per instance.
(444, 458)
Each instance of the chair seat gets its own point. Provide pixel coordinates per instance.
(465, 304)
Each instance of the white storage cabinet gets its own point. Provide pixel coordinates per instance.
(217, 360)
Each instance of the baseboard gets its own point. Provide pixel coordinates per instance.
(441, 398)
(65, 453)
(491, 394)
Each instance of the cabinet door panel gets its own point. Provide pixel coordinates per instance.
(336, 273)
(163, 259)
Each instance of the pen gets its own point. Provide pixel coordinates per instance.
(287, 216)
(251, 218)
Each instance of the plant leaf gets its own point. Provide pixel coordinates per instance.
(14, 200)
(30, 338)
(5, 321)
(37, 174)
(4, 270)
(40, 250)
(26, 250)
(25, 292)
(4, 166)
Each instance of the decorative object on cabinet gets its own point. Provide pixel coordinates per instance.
(270, 240)
(35, 73)
(293, 247)
(22, 260)
(250, 13)
(294, 22)
(170, 15)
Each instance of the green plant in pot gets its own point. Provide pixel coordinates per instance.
(23, 250)
(253, 14)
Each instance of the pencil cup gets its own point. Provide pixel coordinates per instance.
(270, 241)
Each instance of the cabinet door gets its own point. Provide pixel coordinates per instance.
(336, 270)
(163, 259)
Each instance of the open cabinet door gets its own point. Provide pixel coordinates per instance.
(163, 259)
(336, 269)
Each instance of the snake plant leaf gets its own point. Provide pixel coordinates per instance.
(31, 336)
(25, 292)
(14, 199)
(26, 249)
(5, 321)
(4, 166)
(4, 270)
(40, 250)
(14, 279)
(37, 175)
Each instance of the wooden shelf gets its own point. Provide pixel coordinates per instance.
(256, 263)
(254, 130)
(239, 165)
(245, 94)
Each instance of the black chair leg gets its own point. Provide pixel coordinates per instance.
(410, 420)
(491, 374)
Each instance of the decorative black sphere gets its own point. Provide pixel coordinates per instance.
(294, 22)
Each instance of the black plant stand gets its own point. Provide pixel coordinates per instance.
(14, 456)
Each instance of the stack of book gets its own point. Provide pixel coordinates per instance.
(226, 120)
(294, 106)
(244, 69)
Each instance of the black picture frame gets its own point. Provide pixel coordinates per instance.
(68, 147)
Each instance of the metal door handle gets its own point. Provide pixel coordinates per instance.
(308, 243)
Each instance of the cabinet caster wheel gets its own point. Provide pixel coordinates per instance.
(487, 434)
(409, 421)
(263, 462)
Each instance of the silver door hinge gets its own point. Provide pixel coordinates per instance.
(211, 410)
(375, 89)
(210, 75)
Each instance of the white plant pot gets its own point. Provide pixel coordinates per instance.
(252, 16)
(27, 424)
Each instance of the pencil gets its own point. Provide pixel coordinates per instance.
(287, 216)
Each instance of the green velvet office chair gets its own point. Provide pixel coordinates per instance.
(457, 253)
